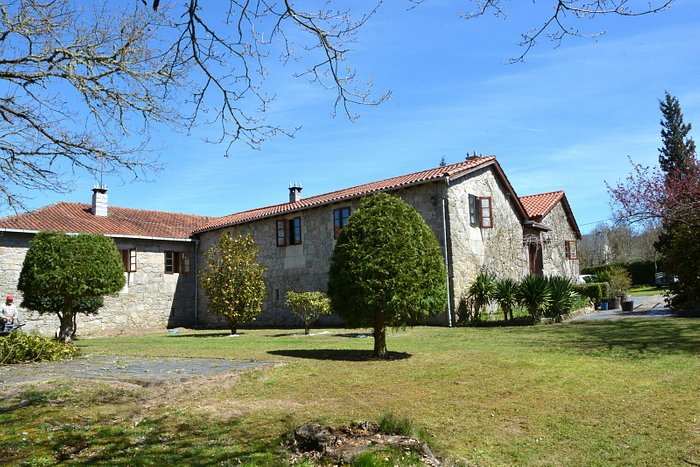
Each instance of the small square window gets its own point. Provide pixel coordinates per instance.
(571, 248)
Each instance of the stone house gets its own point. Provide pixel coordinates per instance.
(477, 218)
(158, 252)
(473, 210)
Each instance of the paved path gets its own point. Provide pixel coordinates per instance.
(652, 306)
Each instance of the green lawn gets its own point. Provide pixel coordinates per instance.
(592, 393)
(643, 290)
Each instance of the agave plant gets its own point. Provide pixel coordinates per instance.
(535, 295)
(481, 293)
(506, 295)
(563, 296)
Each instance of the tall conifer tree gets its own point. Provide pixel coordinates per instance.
(678, 149)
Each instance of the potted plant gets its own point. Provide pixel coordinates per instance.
(619, 281)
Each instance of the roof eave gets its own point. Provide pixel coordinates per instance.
(134, 237)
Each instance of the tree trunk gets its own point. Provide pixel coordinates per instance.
(511, 314)
(67, 330)
(233, 328)
(505, 315)
(306, 328)
(379, 337)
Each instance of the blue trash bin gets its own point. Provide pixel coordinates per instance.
(603, 305)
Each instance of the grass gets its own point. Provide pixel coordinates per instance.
(590, 393)
(643, 290)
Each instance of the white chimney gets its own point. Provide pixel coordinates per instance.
(294, 192)
(99, 201)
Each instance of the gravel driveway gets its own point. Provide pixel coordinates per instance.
(142, 371)
(652, 306)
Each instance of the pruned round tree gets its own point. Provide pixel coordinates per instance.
(386, 269)
(233, 280)
(72, 269)
(308, 306)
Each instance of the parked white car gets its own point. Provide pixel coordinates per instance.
(586, 278)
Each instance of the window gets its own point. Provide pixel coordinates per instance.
(289, 232)
(473, 211)
(485, 212)
(129, 259)
(295, 231)
(571, 248)
(282, 233)
(177, 262)
(340, 218)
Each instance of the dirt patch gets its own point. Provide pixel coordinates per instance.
(134, 370)
(340, 446)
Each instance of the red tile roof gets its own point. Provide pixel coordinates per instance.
(453, 171)
(77, 218)
(539, 205)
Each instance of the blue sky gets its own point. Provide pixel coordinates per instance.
(567, 118)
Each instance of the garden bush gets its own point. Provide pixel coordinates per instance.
(641, 272)
(308, 306)
(21, 347)
(595, 291)
(481, 292)
(562, 297)
(535, 295)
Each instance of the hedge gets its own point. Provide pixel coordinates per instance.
(642, 272)
(595, 291)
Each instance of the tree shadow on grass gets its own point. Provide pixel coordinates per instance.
(631, 337)
(345, 355)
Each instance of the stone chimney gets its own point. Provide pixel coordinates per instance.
(294, 192)
(99, 201)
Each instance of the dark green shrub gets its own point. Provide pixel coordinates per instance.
(562, 297)
(386, 269)
(641, 272)
(20, 347)
(481, 293)
(535, 295)
(506, 295)
(594, 291)
(72, 267)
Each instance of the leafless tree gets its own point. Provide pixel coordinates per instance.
(75, 86)
(82, 85)
(564, 16)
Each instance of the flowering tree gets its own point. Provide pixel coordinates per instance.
(669, 197)
(651, 196)
(233, 279)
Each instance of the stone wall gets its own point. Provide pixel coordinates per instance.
(555, 262)
(498, 250)
(151, 298)
(305, 267)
